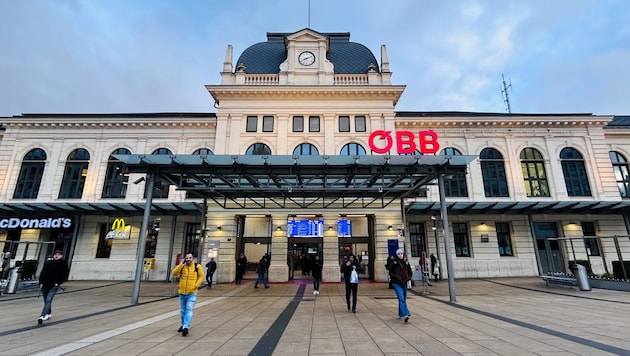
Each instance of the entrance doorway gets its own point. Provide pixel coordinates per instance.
(551, 259)
(300, 254)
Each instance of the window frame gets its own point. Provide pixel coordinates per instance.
(504, 239)
(297, 124)
(344, 123)
(314, 123)
(31, 174)
(74, 174)
(461, 240)
(574, 172)
(493, 173)
(534, 173)
(251, 123)
(268, 123)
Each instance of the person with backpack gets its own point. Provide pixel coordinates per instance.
(400, 274)
(190, 279)
(212, 267)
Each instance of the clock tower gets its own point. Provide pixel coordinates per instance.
(306, 62)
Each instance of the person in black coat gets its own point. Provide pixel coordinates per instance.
(262, 270)
(54, 273)
(352, 287)
(316, 272)
(212, 267)
(241, 267)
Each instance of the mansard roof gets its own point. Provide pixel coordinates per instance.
(347, 57)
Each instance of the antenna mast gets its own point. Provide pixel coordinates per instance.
(504, 92)
(309, 14)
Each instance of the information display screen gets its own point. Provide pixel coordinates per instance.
(344, 228)
(305, 228)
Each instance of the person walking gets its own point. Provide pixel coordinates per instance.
(190, 279)
(241, 267)
(211, 266)
(435, 267)
(424, 268)
(53, 274)
(316, 272)
(261, 270)
(400, 274)
(351, 280)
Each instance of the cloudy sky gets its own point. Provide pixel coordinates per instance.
(120, 56)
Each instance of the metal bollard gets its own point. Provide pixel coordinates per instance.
(581, 277)
(14, 279)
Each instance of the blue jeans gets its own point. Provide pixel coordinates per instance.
(261, 277)
(401, 293)
(186, 305)
(316, 283)
(49, 295)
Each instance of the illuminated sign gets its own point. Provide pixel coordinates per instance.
(48, 223)
(119, 230)
(381, 141)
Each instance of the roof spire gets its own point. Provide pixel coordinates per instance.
(227, 62)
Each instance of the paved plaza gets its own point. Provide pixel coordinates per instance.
(502, 316)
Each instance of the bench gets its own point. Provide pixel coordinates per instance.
(567, 281)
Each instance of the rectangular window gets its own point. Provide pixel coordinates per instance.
(359, 124)
(191, 240)
(298, 123)
(590, 239)
(252, 124)
(267, 123)
(418, 239)
(504, 239)
(344, 123)
(104, 248)
(313, 123)
(462, 242)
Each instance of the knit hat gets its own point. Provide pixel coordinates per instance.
(59, 252)
(400, 250)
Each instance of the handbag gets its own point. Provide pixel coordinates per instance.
(409, 285)
(354, 277)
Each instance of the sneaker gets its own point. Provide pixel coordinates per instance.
(184, 331)
(40, 320)
(255, 286)
(317, 291)
(181, 328)
(266, 286)
(407, 318)
(314, 292)
(46, 317)
(354, 311)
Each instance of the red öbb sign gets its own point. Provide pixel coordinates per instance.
(381, 141)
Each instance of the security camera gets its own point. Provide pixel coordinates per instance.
(139, 180)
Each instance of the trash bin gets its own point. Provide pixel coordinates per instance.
(14, 278)
(581, 277)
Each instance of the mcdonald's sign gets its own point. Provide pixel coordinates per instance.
(119, 229)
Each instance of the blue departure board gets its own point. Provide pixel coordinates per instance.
(344, 228)
(305, 228)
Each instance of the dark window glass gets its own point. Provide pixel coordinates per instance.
(74, 174)
(305, 149)
(191, 240)
(504, 240)
(160, 187)
(116, 176)
(493, 173)
(298, 123)
(252, 124)
(267, 123)
(313, 124)
(352, 149)
(574, 172)
(258, 149)
(203, 152)
(344, 123)
(534, 174)
(31, 173)
(104, 248)
(454, 186)
(418, 239)
(590, 239)
(621, 171)
(460, 237)
(359, 124)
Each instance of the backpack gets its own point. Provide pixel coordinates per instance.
(180, 272)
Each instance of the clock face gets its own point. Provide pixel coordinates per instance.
(306, 58)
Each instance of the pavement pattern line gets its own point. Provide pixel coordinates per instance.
(267, 344)
(79, 344)
(562, 335)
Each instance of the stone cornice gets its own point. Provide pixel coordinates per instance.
(221, 92)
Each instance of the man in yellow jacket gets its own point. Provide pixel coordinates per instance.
(190, 278)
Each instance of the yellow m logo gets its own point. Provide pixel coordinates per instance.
(118, 224)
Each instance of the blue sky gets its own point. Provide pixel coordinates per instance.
(114, 56)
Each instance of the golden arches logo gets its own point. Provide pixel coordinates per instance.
(118, 224)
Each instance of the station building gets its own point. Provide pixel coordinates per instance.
(306, 154)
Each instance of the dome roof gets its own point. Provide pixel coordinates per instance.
(347, 57)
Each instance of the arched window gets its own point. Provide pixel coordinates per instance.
(620, 168)
(455, 186)
(74, 174)
(31, 173)
(258, 149)
(203, 152)
(116, 176)
(305, 149)
(534, 174)
(160, 187)
(574, 172)
(493, 173)
(352, 149)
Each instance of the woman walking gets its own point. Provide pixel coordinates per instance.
(400, 274)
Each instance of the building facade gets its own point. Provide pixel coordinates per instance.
(544, 191)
